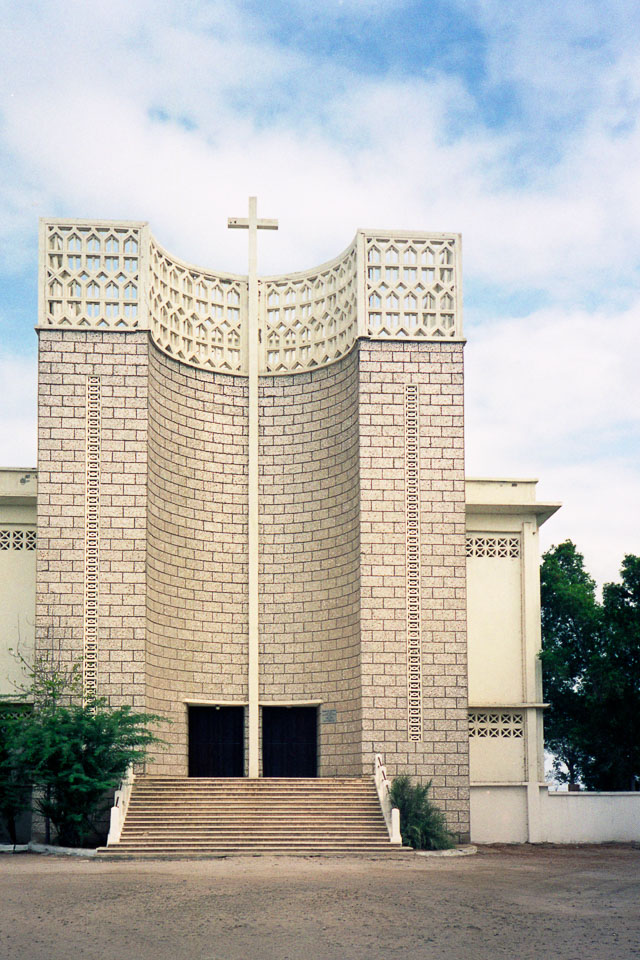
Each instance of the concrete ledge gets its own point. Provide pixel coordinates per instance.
(61, 851)
(463, 851)
(466, 851)
(46, 848)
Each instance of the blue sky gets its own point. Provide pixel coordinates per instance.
(516, 124)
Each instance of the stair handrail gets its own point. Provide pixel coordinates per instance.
(390, 813)
(120, 804)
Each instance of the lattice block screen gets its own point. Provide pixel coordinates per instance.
(412, 287)
(489, 546)
(92, 539)
(114, 276)
(12, 711)
(494, 725)
(12, 538)
(311, 319)
(197, 317)
(413, 570)
(91, 276)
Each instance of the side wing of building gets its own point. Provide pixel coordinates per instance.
(505, 681)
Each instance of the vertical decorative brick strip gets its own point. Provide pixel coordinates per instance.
(91, 542)
(412, 508)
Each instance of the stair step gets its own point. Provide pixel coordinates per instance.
(263, 845)
(315, 795)
(110, 853)
(182, 817)
(262, 801)
(232, 829)
(249, 819)
(285, 821)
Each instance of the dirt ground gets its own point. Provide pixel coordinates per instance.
(563, 903)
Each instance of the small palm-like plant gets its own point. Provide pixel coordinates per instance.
(422, 823)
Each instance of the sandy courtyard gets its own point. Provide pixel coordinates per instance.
(517, 903)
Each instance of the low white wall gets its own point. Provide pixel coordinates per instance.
(499, 814)
(502, 815)
(589, 817)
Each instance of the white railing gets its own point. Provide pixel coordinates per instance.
(119, 809)
(391, 814)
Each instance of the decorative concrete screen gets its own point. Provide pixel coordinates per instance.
(102, 275)
(17, 539)
(495, 724)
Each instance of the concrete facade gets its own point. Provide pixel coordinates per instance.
(66, 361)
(506, 711)
(197, 547)
(172, 622)
(310, 571)
(508, 801)
(373, 558)
(442, 753)
(18, 489)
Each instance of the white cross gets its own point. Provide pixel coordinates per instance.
(252, 224)
(252, 220)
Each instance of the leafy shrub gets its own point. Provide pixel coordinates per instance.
(72, 754)
(422, 823)
(75, 755)
(15, 796)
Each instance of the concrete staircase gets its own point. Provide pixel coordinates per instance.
(198, 817)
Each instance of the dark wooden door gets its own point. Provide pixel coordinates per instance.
(216, 741)
(289, 742)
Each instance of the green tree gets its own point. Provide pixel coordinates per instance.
(73, 754)
(615, 675)
(591, 678)
(571, 619)
(15, 796)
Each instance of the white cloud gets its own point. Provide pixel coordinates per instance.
(83, 127)
(326, 148)
(553, 382)
(18, 394)
(176, 112)
(599, 513)
(555, 395)
(558, 55)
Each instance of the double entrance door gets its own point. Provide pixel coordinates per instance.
(217, 741)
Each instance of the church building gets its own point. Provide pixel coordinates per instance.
(253, 520)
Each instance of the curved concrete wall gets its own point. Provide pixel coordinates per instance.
(310, 548)
(197, 545)
(197, 549)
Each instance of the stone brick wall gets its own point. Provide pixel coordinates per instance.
(309, 573)
(120, 360)
(197, 554)
(443, 754)
(333, 575)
